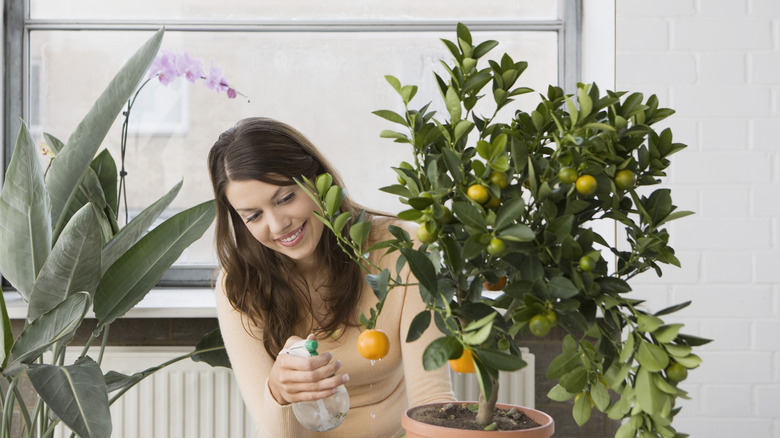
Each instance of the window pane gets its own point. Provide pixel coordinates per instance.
(242, 10)
(325, 84)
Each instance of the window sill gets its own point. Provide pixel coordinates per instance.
(159, 303)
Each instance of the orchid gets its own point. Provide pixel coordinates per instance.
(168, 66)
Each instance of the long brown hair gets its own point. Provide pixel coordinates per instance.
(259, 282)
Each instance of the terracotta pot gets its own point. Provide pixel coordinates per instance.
(416, 429)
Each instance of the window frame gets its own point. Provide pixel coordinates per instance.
(14, 49)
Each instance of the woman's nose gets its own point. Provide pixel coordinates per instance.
(278, 223)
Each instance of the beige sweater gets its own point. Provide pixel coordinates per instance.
(379, 392)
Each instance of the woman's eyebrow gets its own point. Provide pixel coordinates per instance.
(274, 196)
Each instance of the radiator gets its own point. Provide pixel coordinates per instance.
(193, 400)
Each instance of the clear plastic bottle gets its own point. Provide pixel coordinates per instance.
(323, 414)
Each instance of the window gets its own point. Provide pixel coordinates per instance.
(318, 66)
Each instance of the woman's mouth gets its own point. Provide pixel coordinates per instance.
(292, 239)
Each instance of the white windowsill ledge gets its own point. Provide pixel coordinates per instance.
(159, 303)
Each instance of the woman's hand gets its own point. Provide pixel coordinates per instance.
(294, 379)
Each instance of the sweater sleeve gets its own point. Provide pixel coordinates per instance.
(251, 367)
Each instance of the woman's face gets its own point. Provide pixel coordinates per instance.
(279, 217)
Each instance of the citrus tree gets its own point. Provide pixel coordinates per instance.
(510, 205)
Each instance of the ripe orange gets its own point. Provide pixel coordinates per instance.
(373, 344)
(586, 185)
(463, 364)
(499, 285)
(478, 193)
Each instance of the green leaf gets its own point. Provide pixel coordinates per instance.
(25, 224)
(76, 394)
(510, 212)
(378, 283)
(499, 360)
(394, 82)
(672, 309)
(667, 333)
(72, 266)
(438, 352)
(600, 394)
(6, 334)
(575, 380)
(612, 285)
(139, 269)
(54, 325)
(476, 335)
(678, 350)
(483, 48)
(341, 221)
(581, 410)
(452, 101)
(104, 167)
(391, 116)
(469, 215)
(136, 228)
(649, 397)
(561, 287)
(408, 92)
(358, 232)
(418, 326)
(68, 169)
(333, 200)
(452, 161)
(690, 361)
(648, 323)
(392, 134)
(422, 268)
(562, 364)
(560, 394)
(322, 183)
(652, 357)
(211, 350)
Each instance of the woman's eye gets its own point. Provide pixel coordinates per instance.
(287, 198)
(252, 217)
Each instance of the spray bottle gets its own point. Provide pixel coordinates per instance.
(323, 414)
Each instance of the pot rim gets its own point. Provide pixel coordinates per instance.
(549, 423)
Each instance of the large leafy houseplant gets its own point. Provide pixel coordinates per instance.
(510, 205)
(63, 250)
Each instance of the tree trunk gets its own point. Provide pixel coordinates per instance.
(488, 406)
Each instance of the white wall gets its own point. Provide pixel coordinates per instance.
(717, 62)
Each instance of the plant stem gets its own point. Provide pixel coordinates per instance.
(23, 409)
(8, 408)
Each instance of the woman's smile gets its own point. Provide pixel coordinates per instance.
(292, 239)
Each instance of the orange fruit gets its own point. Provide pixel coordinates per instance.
(586, 185)
(493, 203)
(496, 247)
(426, 236)
(587, 264)
(463, 364)
(676, 372)
(373, 344)
(499, 285)
(478, 193)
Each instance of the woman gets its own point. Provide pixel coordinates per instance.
(283, 277)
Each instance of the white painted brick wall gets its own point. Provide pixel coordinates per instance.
(717, 62)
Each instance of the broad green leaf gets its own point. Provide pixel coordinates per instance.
(323, 183)
(652, 357)
(391, 116)
(452, 102)
(499, 360)
(581, 410)
(613, 285)
(648, 323)
(418, 326)
(678, 350)
(341, 221)
(52, 326)
(211, 350)
(478, 335)
(667, 333)
(358, 232)
(575, 380)
(600, 395)
(690, 361)
(438, 352)
(25, 223)
(422, 268)
(378, 283)
(561, 287)
(394, 82)
(105, 169)
(72, 266)
(560, 394)
(392, 134)
(136, 228)
(562, 364)
(68, 169)
(76, 394)
(54, 143)
(139, 269)
(6, 335)
(333, 200)
(510, 212)
(672, 309)
(649, 397)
